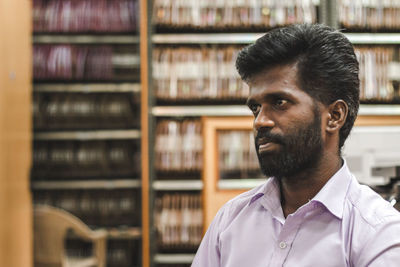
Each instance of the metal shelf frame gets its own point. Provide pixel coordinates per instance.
(242, 110)
(208, 38)
(84, 39)
(374, 38)
(247, 38)
(88, 135)
(124, 233)
(174, 258)
(197, 111)
(129, 183)
(224, 184)
(244, 184)
(87, 88)
(118, 233)
(178, 185)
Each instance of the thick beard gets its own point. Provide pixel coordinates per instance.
(300, 150)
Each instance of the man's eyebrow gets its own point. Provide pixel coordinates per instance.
(277, 95)
(269, 96)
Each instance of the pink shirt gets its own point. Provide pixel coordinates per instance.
(345, 224)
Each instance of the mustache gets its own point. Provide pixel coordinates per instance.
(263, 137)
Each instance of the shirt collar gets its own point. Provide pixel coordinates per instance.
(334, 192)
(268, 196)
(332, 195)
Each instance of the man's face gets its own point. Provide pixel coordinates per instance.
(287, 123)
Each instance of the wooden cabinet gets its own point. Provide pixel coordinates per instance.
(15, 133)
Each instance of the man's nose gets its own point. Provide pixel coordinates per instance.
(263, 120)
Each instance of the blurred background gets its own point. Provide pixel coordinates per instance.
(123, 127)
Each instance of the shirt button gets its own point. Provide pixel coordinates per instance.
(282, 245)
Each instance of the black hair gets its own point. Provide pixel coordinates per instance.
(326, 63)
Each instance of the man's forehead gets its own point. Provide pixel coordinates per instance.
(274, 86)
(276, 73)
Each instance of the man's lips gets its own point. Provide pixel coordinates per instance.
(265, 145)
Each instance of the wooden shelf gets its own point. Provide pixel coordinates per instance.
(87, 184)
(88, 135)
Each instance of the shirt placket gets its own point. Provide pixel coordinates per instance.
(284, 242)
(288, 233)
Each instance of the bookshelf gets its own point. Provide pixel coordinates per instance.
(87, 123)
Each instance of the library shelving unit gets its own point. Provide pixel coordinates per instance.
(89, 130)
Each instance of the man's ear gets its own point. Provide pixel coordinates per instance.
(337, 114)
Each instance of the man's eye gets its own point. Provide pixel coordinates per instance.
(280, 102)
(254, 108)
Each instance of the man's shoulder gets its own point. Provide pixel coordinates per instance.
(371, 225)
(370, 207)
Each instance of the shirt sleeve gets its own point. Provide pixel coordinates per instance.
(383, 248)
(208, 254)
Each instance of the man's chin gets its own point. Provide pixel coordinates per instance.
(270, 169)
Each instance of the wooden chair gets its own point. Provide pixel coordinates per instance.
(51, 226)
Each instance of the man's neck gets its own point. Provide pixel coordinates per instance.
(298, 190)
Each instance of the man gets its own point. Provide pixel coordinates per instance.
(304, 94)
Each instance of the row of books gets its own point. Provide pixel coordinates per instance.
(205, 74)
(82, 62)
(178, 221)
(85, 16)
(190, 73)
(61, 111)
(57, 160)
(370, 15)
(375, 81)
(222, 14)
(237, 156)
(106, 208)
(178, 145)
